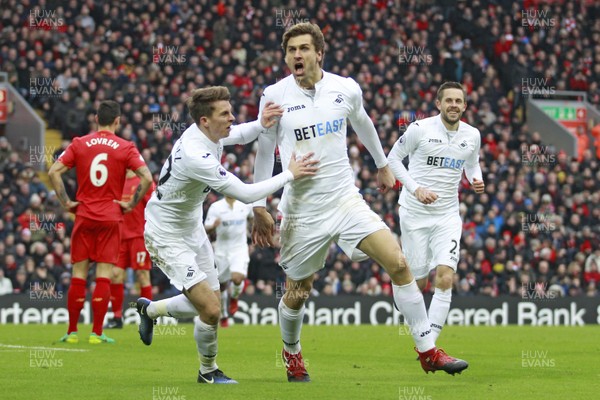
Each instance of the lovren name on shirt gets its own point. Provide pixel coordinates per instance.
(103, 141)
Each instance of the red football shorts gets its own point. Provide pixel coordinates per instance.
(95, 240)
(133, 254)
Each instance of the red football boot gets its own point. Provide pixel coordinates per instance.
(437, 359)
(295, 367)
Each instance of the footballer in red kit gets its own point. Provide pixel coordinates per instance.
(132, 253)
(101, 160)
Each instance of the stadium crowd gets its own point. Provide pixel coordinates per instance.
(535, 231)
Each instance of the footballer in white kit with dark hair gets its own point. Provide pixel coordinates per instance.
(439, 149)
(328, 206)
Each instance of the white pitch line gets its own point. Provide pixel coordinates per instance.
(14, 346)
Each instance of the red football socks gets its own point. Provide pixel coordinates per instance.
(116, 298)
(75, 300)
(146, 292)
(100, 299)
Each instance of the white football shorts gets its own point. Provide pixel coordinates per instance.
(430, 240)
(305, 239)
(234, 260)
(185, 259)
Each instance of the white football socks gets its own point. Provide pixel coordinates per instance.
(206, 342)
(290, 324)
(438, 310)
(409, 300)
(224, 308)
(237, 289)
(177, 307)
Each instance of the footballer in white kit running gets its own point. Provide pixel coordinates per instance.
(328, 207)
(439, 148)
(228, 218)
(174, 235)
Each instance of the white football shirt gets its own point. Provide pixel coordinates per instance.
(437, 158)
(232, 232)
(315, 121)
(192, 169)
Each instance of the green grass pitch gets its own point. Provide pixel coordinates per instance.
(345, 362)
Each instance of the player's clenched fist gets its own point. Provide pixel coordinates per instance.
(385, 179)
(478, 186)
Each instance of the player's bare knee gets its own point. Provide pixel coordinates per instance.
(295, 299)
(397, 269)
(237, 280)
(444, 281)
(211, 315)
(422, 283)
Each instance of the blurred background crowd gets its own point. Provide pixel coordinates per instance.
(535, 232)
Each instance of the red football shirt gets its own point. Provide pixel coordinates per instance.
(100, 160)
(133, 222)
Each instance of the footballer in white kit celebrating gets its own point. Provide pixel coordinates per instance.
(174, 235)
(439, 148)
(328, 207)
(229, 217)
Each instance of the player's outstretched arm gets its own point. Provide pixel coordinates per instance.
(247, 193)
(55, 174)
(248, 132)
(145, 181)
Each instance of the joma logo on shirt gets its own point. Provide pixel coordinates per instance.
(445, 162)
(295, 108)
(435, 141)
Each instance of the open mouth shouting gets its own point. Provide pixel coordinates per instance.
(299, 68)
